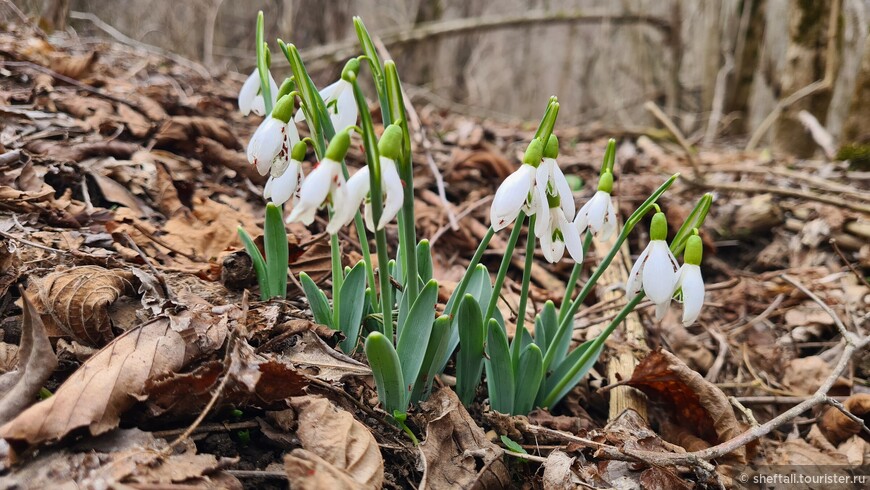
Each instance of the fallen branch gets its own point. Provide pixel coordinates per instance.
(760, 188)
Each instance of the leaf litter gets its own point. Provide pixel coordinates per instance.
(118, 208)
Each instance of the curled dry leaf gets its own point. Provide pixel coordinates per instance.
(75, 301)
(310, 353)
(113, 380)
(36, 363)
(558, 473)
(338, 451)
(183, 131)
(691, 402)
(837, 427)
(456, 452)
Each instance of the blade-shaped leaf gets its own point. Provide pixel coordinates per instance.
(259, 264)
(437, 345)
(387, 372)
(424, 260)
(564, 368)
(317, 299)
(469, 361)
(499, 371)
(277, 252)
(529, 376)
(550, 321)
(414, 335)
(353, 300)
(480, 287)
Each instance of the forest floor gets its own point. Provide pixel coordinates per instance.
(123, 179)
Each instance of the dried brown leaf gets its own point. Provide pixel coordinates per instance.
(111, 381)
(76, 301)
(558, 473)
(308, 471)
(339, 441)
(310, 353)
(183, 131)
(76, 67)
(691, 402)
(36, 363)
(456, 452)
(837, 427)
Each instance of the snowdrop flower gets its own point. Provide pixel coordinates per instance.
(286, 177)
(598, 214)
(251, 98)
(358, 186)
(549, 178)
(690, 281)
(517, 192)
(656, 269)
(555, 231)
(324, 183)
(274, 138)
(339, 99)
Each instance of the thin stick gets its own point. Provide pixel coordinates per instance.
(681, 140)
(849, 336)
(861, 278)
(769, 189)
(31, 244)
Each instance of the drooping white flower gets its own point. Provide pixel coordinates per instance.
(690, 282)
(274, 138)
(324, 183)
(656, 268)
(285, 180)
(359, 185)
(598, 215)
(555, 231)
(517, 192)
(549, 178)
(340, 102)
(251, 96)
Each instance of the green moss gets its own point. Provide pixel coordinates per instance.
(857, 154)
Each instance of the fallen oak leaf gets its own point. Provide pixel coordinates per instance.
(341, 450)
(837, 427)
(75, 301)
(693, 403)
(36, 363)
(111, 381)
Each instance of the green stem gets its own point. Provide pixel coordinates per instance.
(337, 278)
(505, 263)
(575, 276)
(516, 344)
(463, 283)
(262, 67)
(596, 344)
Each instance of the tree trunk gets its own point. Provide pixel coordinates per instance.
(855, 145)
(747, 53)
(54, 15)
(806, 63)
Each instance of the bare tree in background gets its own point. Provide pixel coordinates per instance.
(53, 15)
(856, 132)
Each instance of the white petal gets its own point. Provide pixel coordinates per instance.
(273, 89)
(610, 223)
(561, 184)
(354, 192)
(544, 222)
(661, 309)
(285, 186)
(249, 92)
(329, 92)
(581, 221)
(267, 189)
(659, 273)
(314, 191)
(572, 238)
(598, 211)
(292, 135)
(253, 143)
(547, 247)
(693, 292)
(258, 106)
(267, 142)
(542, 177)
(635, 278)
(391, 184)
(510, 197)
(346, 110)
(369, 217)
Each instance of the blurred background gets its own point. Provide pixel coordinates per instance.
(716, 68)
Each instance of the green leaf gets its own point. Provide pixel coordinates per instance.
(424, 260)
(387, 371)
(435, 349)
(317, 300)
(529, 376)
(565, 367)
(259, 263)
(262, 64)
(469, 361)
(499, 371)
(375, 65)
(480, 287)
(513, 445)
(277, 254)
(353, 301)
(413, 338)
(550, 319)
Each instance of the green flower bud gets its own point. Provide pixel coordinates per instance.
(605, 182)
(658, 230)
(694, 250)
(351, 69)
(534, 153)
(287, 86)
(299, 151)
(552, 149)
(390, 145)
(283, 109)
(338, 146)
